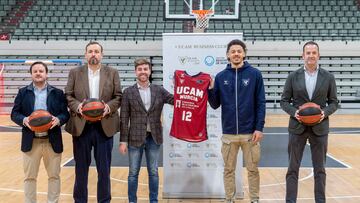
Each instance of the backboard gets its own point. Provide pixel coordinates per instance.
(182, 9)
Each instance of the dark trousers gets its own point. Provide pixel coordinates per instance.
(93, 136)
(318, 146)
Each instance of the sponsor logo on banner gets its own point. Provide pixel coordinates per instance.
(175, 165)
(184, 60)
(210, 155)
(193, 155)
(175, 145)
(209, 60)
(174, 155)
(211, 165)
(193, 145)
(212, 126)
(221, 61)
(213, 136)
(192, 165)
(211, 145)
(210, 115)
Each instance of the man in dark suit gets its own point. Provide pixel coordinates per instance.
(308, 84)
(141, 129)
(47, 145)
(93, 80)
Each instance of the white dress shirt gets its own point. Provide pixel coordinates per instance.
(310, 81)
(145, 95)
(94, 82)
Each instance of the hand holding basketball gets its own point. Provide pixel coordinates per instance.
(93, 109)
(310, 114)
(54, 122)
(40, 121)
(106, 109)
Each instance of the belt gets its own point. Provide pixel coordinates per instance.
(92, 122)
(41, 137)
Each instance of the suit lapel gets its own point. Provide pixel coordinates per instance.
(84, 80)
(32, 100)
(138, 97)
(319, 81)
(103, 73)
(153, 94)
(302, 83)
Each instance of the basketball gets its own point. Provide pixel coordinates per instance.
(93, 109)
(310, 113)
(40, 121)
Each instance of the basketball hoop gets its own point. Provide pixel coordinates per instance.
(202, 18)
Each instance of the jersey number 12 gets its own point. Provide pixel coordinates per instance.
(186, 116)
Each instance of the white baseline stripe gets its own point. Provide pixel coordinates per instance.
(12, 127)
(343, 163)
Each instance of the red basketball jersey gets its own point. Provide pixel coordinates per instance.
(190, 104)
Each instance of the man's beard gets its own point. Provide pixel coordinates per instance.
(93, 61)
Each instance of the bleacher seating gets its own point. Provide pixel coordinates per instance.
(5, 6)
(144, 20)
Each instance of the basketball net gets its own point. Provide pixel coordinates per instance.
(202, 18)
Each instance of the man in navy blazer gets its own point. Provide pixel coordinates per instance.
(47, 145)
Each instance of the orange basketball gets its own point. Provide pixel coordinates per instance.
(40, 121)
(310, 113)
(93, 109)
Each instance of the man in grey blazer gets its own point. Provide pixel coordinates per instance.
(93, 80)
(308, 84)
(141, 129)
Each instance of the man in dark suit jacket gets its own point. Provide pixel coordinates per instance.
(93, 80)
(308, 84)
(141, 129)
(47, 145)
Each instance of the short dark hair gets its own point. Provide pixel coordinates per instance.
(41, 63)
(92, 43)
(311, 43)
(141, 61)
(236, 42)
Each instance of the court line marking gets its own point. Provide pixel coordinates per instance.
(12, 127)
(343, 163)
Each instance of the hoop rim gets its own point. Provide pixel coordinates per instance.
(202, 12)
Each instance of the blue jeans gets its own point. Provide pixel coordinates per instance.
(152, 151)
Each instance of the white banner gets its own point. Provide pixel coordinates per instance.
(195, 170)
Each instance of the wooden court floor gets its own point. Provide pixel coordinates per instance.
(343, 185)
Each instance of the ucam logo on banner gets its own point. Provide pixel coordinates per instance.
(195, 170)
